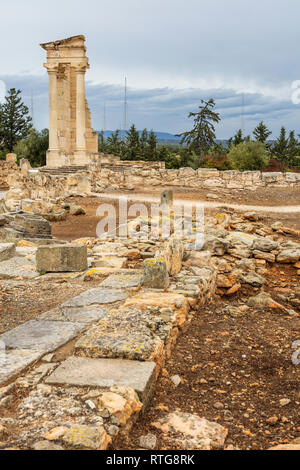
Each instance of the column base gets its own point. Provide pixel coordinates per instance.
(56, 159)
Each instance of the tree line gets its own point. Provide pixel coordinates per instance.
(197, 148)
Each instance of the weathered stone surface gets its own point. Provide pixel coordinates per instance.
(11, 158)
(18, 267)
(123, 281)
(106, 373)
(61, 258)
(167, 198)
(263, 255)
(46, 445)
(42, 336)
(286, 447)
(264, 244)
(253, 279)
(155, 274)
(87, 437)
(76, 315)
(288, 256)
(173, 255)
(195, 433)
(15, 361)
(96, 297)
(129, 333)
(7, 251)
(215, 245)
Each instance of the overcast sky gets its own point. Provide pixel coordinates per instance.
(173, 52)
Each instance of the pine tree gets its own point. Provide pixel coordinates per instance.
(238, 138)
(261, 132)
(293, 149)
(280, 146)
(102, 146)
(15, 122)
(202, 136)
(143, 143)
(113, 143)
(132, 143)
(152, 146)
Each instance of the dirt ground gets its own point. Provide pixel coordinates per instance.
(85, 225)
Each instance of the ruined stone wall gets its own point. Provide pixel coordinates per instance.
(129, 177)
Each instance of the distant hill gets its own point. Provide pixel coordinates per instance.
(162, 137)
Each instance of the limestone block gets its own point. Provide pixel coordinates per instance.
(167, 198)
(7, 250)
(156, 274)
(61, 258)
(11, 157)
(173, 255)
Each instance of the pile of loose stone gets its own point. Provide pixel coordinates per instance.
(121, 333)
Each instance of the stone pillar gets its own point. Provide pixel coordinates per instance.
(80, 110)
(53, 111)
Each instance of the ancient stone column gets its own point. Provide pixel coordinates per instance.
(80, 109)
(53, 105)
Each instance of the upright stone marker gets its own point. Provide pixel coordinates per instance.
(167, 198)
(61, 258)
(156, 274)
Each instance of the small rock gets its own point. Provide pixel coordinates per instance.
(218, 405)
(273, 420)
(148, 442)
(176, 380)
(284, 402)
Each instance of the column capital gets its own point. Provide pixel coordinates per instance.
(51, 68)
(80, 68)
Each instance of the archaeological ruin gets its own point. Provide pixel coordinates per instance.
(143, 341)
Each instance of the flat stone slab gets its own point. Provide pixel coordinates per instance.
(61, 258)
(106, 373)
(129, 334)
(18, 267)
(14, 361)
(42, 336)
(96, 296)
(7, 250)
(77, 315)
(123, 281)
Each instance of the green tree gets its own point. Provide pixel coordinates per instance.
(34, 147)
(292, 149)
(152, 146)
(114, 144)
(15, 122)
(261, 132)
(143, 144)
(238, 138)
(249, 156)
(202, 136)
(102, 145)
(132, 144)
(280, 146)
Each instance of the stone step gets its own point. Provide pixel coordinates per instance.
(107, 373)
